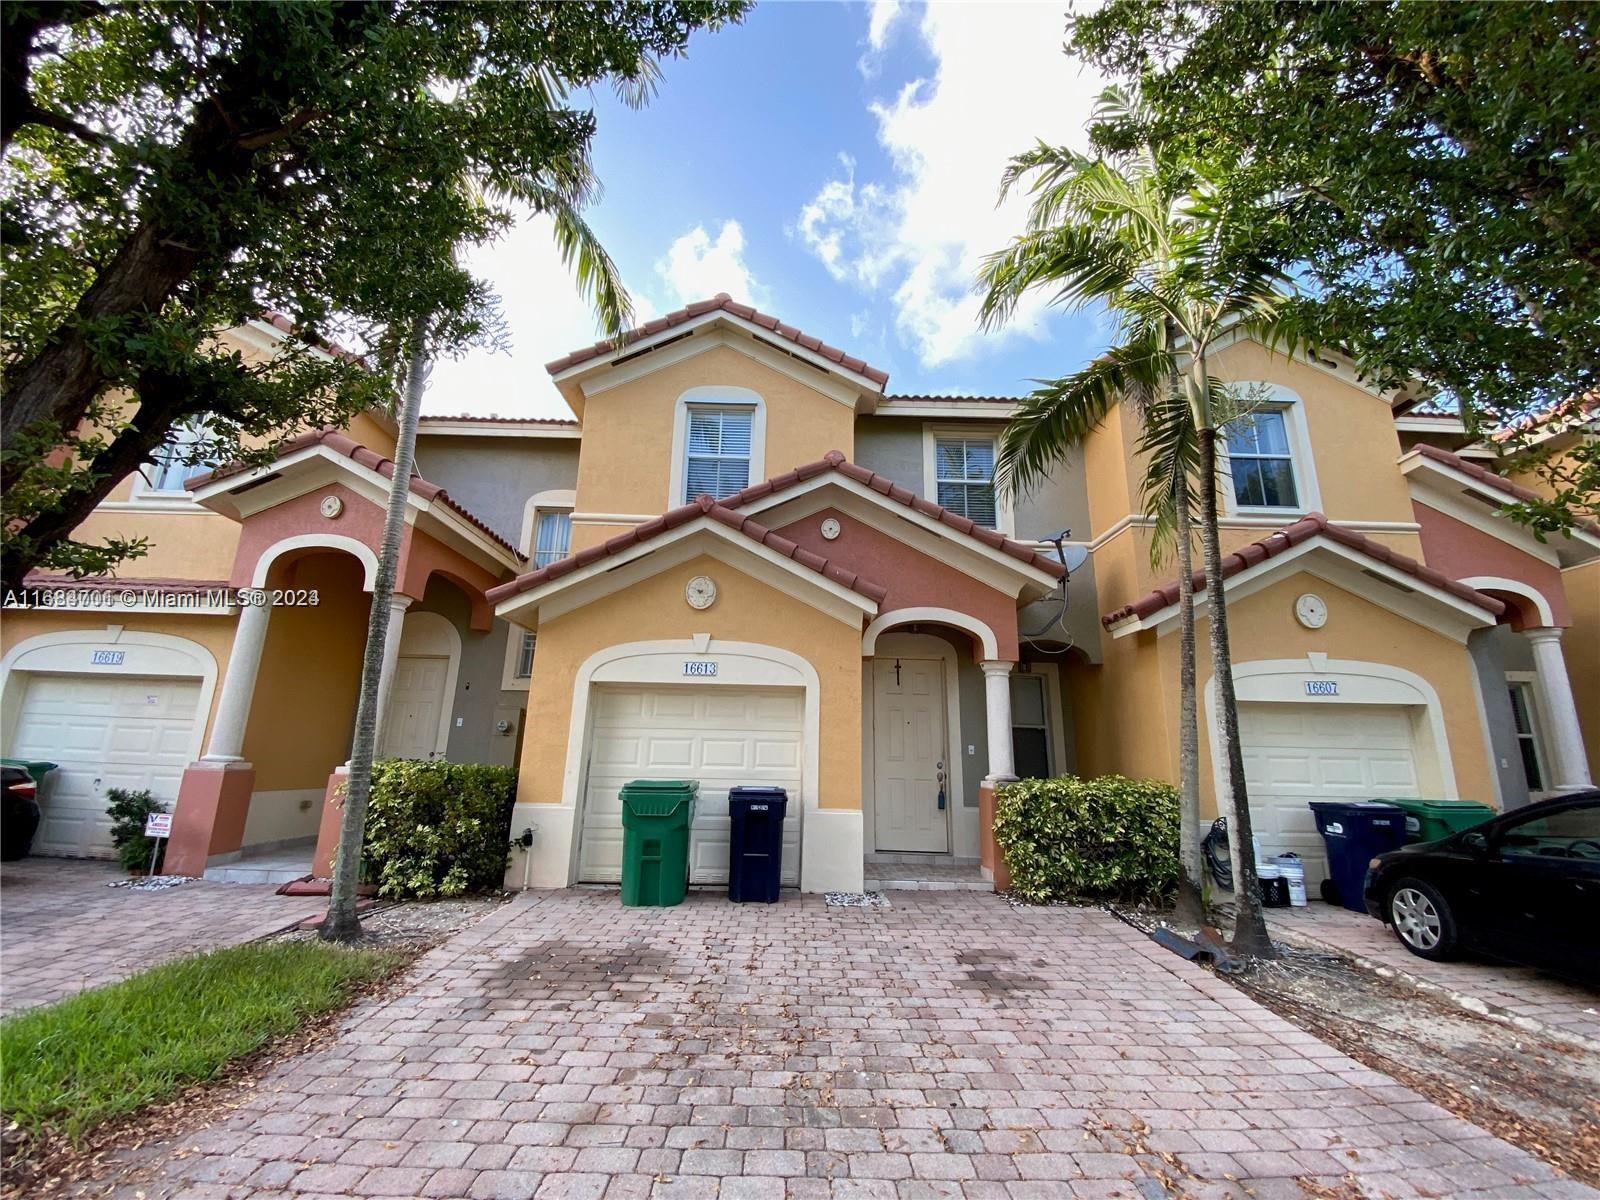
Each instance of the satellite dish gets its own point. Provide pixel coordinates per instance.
(1074, 556)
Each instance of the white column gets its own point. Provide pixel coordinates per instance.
(1570, 766)
(239, 685)
(997, 695)
(391, 656)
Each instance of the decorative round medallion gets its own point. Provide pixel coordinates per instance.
(700, 592)
(830, 528)
(1311, 611)
(332, 507)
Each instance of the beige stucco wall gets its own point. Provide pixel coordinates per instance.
(1581, 645)
(626, 463)
(746, 610)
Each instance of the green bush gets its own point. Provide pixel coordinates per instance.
(1089, 839)
(128, 811)
(438, 828)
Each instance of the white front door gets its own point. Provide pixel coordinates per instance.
(722, 737)
(104, 733)
(1296, 753)
(910, 802)
(416, 703)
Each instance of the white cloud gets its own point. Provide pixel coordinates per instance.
(879, 19)
(697, 267)
(917, 238)
(546, 317)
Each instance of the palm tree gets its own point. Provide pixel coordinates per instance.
(1155, 237)
(566, 185)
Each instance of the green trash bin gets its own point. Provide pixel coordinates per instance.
(656, 817)
(1430, 820)
(37, 768)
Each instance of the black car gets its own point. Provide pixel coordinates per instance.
(1523, 886)
(19, 813)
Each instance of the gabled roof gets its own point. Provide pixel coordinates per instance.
(1310, 526)
(724, 303)
(834, 460)
(341, 443)
(1491, 480)
(701, 506)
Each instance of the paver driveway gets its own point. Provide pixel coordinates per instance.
(948, 1047)
(1553, 1004)
(62, 929)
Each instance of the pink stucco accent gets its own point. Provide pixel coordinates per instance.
(989, 854)
(361, 520)
(1463, 552)
(213, 801)
(328, 830)
(912, 579)
(423, 556)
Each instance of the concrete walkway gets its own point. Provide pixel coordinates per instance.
(63, 928)
(948, 1046)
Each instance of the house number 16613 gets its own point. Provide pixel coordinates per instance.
(699, 666)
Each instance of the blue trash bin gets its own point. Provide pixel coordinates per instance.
(755, 859)
(1353, 831)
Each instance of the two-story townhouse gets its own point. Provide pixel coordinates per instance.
(743, 560)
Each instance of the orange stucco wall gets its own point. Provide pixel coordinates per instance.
(626, 463)
(305, 700)
(746, 610)
(1582, 648)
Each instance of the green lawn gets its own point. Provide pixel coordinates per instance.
(67, 1067)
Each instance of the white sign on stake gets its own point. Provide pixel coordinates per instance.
(158, 825)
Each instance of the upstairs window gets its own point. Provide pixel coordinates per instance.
(524, 667)
(1260, 461)
(717, 451)
(552, 537)
(964, 478)
(174, 462)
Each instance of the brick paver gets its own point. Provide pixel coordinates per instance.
(1551, 1003)
(948, 1046)
(62, 929)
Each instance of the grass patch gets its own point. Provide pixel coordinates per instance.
(68, 1067)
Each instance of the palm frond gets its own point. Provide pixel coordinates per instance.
(598, 279)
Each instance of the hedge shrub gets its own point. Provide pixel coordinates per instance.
(1108, 838)
(127, 811)
(438, 828)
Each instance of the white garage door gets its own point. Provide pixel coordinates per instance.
(105, 732)
(722, 736)
(1295, 753)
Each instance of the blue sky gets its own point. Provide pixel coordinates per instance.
(834, 164)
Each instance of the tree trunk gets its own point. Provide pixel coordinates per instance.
(1191, 905)
(1250, 938)
(342, 924)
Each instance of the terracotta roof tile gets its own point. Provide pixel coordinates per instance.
(1491, 479)
(561, 422)
(700, 506)
(285, 324)
(727, 304)
(1309, 526)
(834, 460)
(346, 445)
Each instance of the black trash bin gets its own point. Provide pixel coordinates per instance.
(1354, 831)
(755, 859)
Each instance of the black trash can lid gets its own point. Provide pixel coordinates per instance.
(1374, 808)
(757, 793)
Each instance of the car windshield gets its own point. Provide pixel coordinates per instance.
(1569, 833)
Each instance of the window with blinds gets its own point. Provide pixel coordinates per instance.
(717, 456)
(552, 537)
(964, 475)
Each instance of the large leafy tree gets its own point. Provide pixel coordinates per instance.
(1153, 236)
(1448, 157)
(172, 169)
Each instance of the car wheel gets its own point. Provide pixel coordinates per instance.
(1422, 919)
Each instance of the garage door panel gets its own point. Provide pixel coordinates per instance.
(722, 737)
(1296, 753)
(105, 732)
